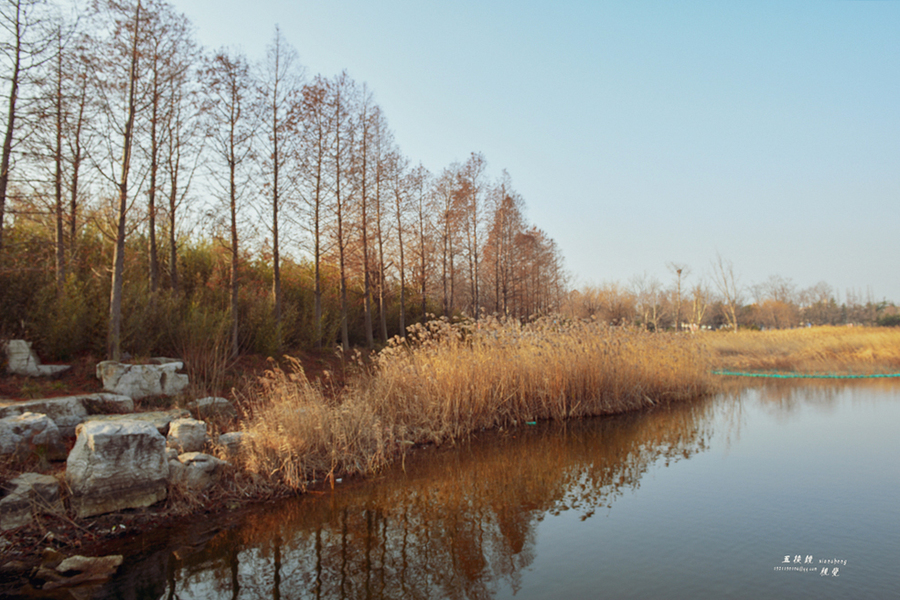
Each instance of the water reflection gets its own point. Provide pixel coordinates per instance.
(457, 522)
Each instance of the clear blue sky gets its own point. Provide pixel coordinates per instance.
(639, 133)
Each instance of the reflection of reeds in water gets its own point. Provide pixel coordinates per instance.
(458, 521)
(808, 350)
(446, 382)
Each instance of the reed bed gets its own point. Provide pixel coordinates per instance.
(444, 382)
(820, 350)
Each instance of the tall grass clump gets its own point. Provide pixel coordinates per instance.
(445, 381)
(448, 381)
(298, 433)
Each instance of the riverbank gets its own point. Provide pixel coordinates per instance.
(311, 421)
(446, 381)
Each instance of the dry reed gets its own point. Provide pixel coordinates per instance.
(839, 350)
(446, 381)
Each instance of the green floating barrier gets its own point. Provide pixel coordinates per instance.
(804, 375)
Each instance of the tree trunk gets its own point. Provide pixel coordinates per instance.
(114, 343)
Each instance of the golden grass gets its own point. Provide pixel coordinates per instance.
(447, 381)
(839, 350)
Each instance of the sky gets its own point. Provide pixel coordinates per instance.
(639, 134)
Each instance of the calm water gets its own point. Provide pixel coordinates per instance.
(713, 500)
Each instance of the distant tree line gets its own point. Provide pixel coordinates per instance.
(147, 184)
(719, 301)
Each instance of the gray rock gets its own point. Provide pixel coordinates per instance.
(187, 435)
(212, 406)
(29, 493)
(160, 419)
(96, 564)
(70, 411)
(231, 443)
(200, 470)
(139, 381)
(22, 360)
(21, 435)
(116, 465)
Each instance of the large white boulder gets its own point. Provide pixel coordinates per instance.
(160, 419)
(22, 360)
(139, 381)
(69, 411)
(116, 465)
(28, 493)
(22, 435)
(187, 435)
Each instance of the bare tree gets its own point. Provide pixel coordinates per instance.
(232, 127)
(25, 41)
(281, 83)
(401, 183)
(680, 271)
(314, 151)
(134, 29)
(472, 193)
(342, 92)
(729, 289)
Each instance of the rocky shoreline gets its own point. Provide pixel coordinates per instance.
(125, 470)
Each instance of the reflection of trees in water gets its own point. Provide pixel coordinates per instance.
(459, 522)
(784, 397)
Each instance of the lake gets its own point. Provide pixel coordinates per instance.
(785, 489)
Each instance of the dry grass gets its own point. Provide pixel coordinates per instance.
(446, 381)
(842, 350)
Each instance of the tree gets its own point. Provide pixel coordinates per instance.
(114, 340)
(182, 140)
(381, 142)
(729, 289)
(23, 46)
(169, 54)
(366, 109)
(315, 138)
(421, 205)
(281, 82)
(680, 271)
(401, 182)
(232, 128)
(507, 222)
(342, 91)
(471, 193)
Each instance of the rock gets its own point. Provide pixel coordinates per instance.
(171, 454)
(78, 571)
(28, 433)
(95, 564)
(187, 435)
(160, 419)
(116, 465)
(22, 360)
(69, 411)
(139, 381)
(176, 471)
(231, 443)
(29, 493)
(212, 406)
(200, 470)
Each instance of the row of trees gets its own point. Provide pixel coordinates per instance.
(719, 301)
(118, 122)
